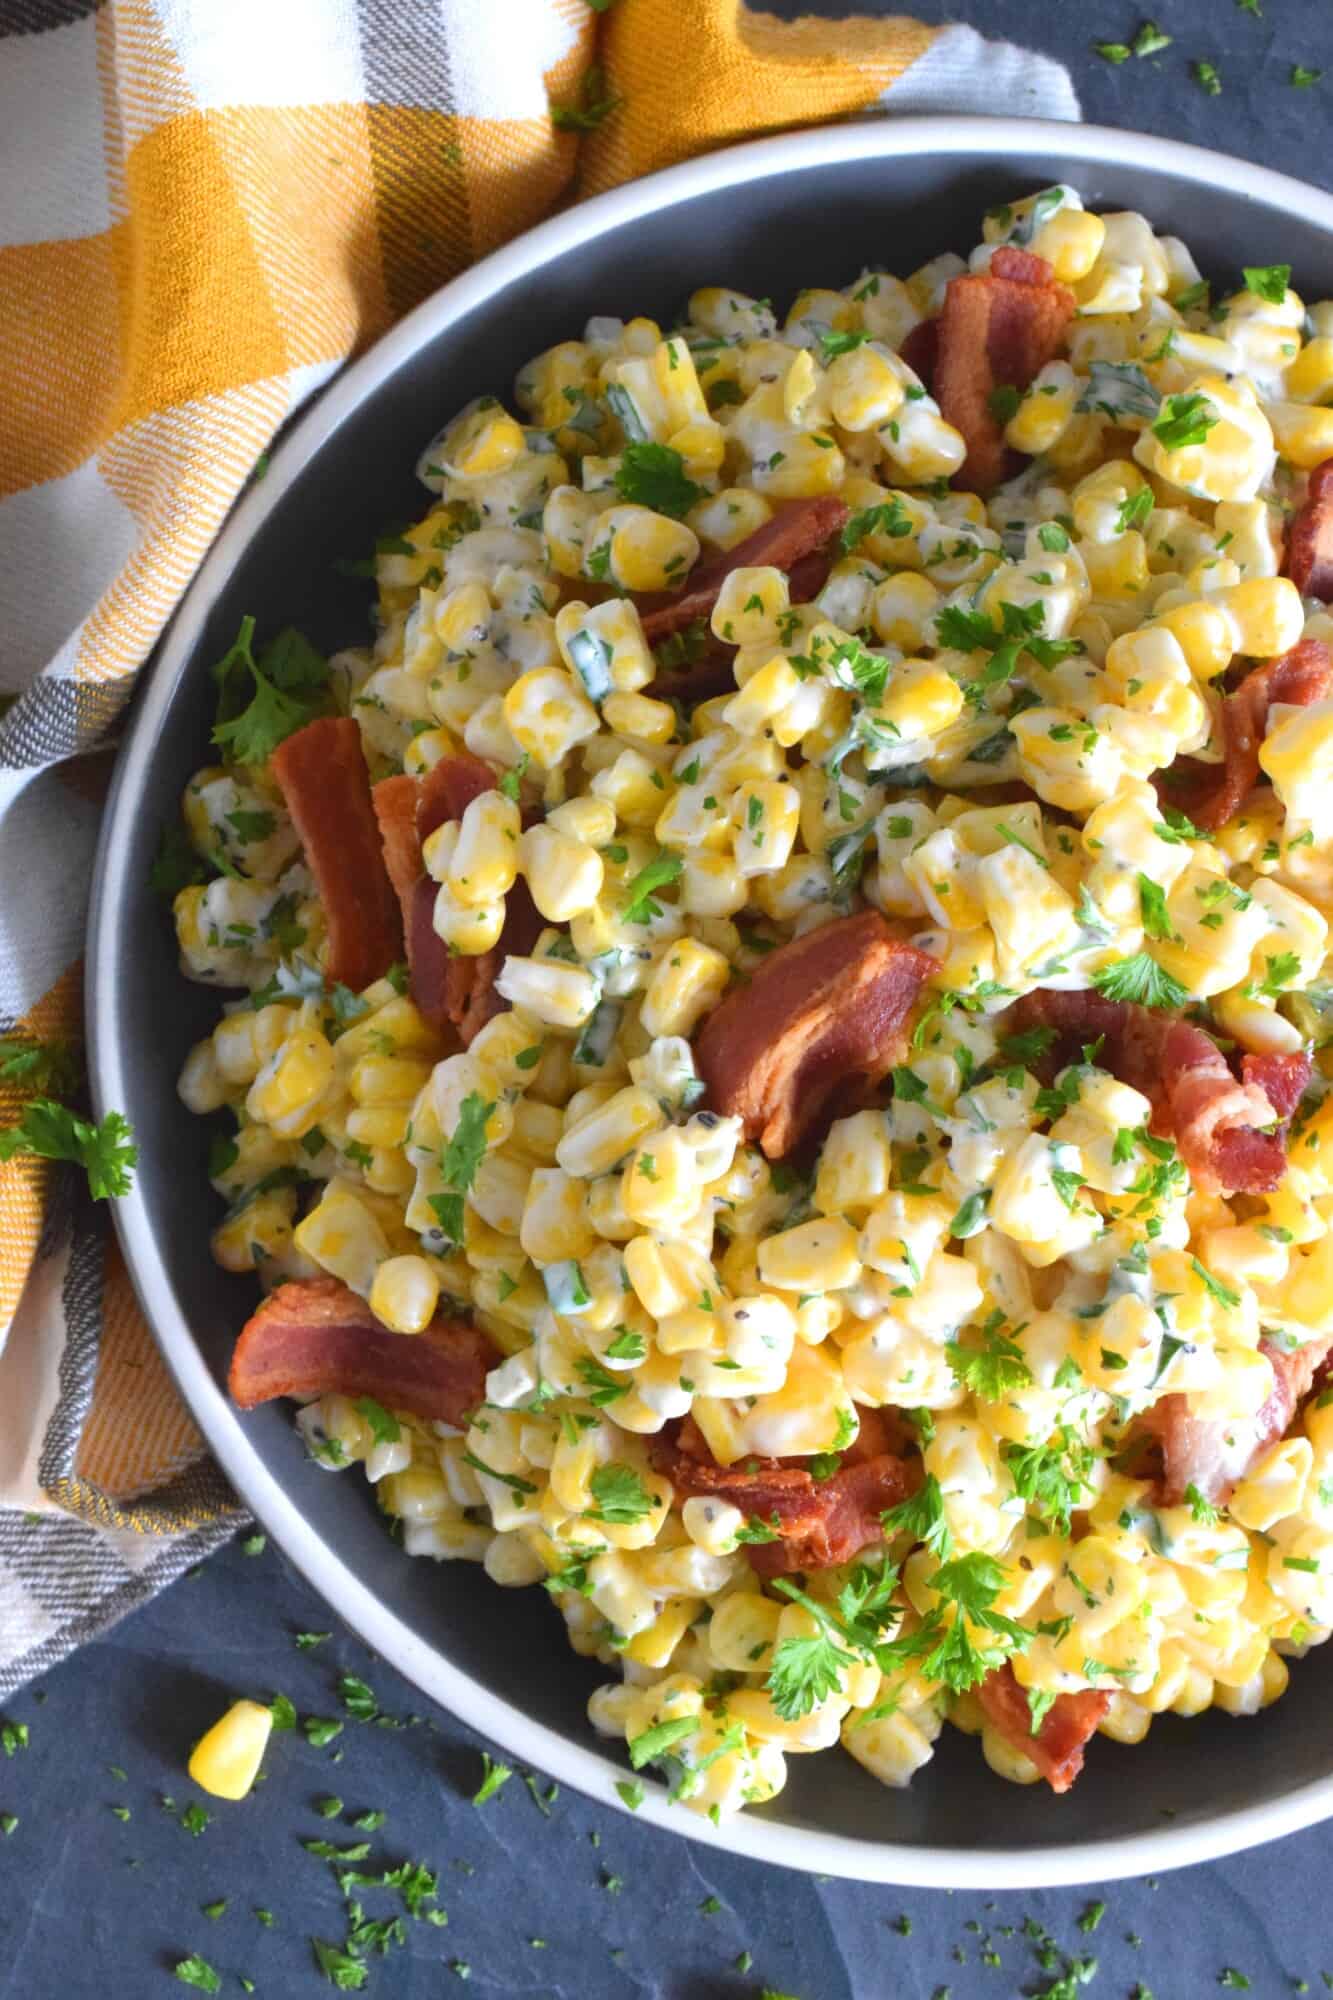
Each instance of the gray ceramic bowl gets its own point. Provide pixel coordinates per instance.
(809, 208)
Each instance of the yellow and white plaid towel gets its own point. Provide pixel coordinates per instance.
(206, 206)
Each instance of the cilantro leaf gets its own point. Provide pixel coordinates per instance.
(653, 475)
(105, 1151)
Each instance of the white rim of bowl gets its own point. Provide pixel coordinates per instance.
(582, 1766)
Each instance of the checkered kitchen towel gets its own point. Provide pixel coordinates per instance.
(205, 207)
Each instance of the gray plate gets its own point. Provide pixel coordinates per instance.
(807, 209)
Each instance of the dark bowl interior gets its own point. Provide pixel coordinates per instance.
(815, 226)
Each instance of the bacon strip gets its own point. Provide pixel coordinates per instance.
(1212, 794)
(395, 803)
(797, 528)
(314, 1337)
(1000, 328)
(1309, 561)
(1067, 1726)
(820, 1022)
(920, 349)
(1214, 1456)
(820, 1522)
(1220, 1124)
(322, 772)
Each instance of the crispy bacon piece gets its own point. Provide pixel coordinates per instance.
(820, 1022)
(795, 529)
(1068, 1724)
(314, 1337)
(1283, 1080)
(820, 1522)
(714, 672)
(1309, 560)
(455, 991)
(448, 789)
(1212, 794)
(996, 329)
(1183, 1450)
(1221, 1125)
(395, 803)
(322, 772)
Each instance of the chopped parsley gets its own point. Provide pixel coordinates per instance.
(640, 906)
(653, 475)
(494, 1776)
(264, 698)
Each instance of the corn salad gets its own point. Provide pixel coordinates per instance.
(961, 731)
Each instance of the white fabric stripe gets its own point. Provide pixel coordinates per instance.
(52, 164)
(534, 39)
(46, 852)
(961, 71)
(63, 543)
(267, 52)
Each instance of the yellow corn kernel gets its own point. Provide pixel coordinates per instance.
(405, 1294)
(225, 1761)
(816, 1256)
(765, 815)
(245, 1041)
(1266, 613)
(565, 875)
(1201, 629)
(601, 1139)
(377, 1079)
(686, 983)
(864, 389)
(290, 1088)
(636, 715)
(262, 1228)
(763, 698)
(1236, 454)
(645, 551)
(561, 995)
(603, 647)
(484, 862)
(632, 787)
(920, 445)
(749, 606)
(342, 1236)
(1310, 376)
(1302, 432)
(548, 716)
(727, 517)
(903, 608)
(1071, 242)
(1044, 413)
(1297, 755)
(660, 1185)
(483, 439)
(711, 885)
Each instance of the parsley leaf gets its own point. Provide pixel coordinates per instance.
(1052, 1478)
(54, 1068)
(1152, 908)
(993, 1370)
(105, 1151)
(619, 1495)
(197, 1972)
(594, 107)
(889, 518)
(921, 1517)
(805, 1672)
(1200, 1507)
(462, 1156)
(348, 1974)
(494, 1776)
(653, 475)
(177, 865)
(1185, 420)
(640, 906)
(1141, 979)
(265, 698)
(650, 1744)
(1268, 281)
(1132, 513)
